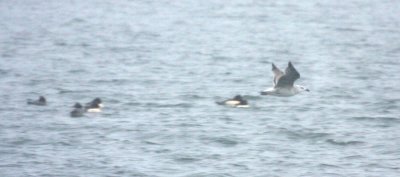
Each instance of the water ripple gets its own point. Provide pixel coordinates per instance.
(344, 143)
(159, 66)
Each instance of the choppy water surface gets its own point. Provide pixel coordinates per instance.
(159, 66)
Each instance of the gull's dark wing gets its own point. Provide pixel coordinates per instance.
(291, 75)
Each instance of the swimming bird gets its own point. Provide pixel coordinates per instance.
(94, 106)
(40, 102)
(284, 82)
(78, 111)
(237, 102)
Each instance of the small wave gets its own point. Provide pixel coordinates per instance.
(240, 166)
(11, 165)
(111, 81)
(354, 157)
(4, 72)
(151, 142)
(65, 91)
(192, 97)
(223, 141)
(74, 21)
(377, 121)
(186, 159)
(328, 165)
(252, 97)
(65, 143)
(7, 55)
(123, 172)
(343, 143)
(178, 105)
(304, 135)
(77, 71)
(223, 58)
(202, 174)
(21, 141)
(226, 142)
(341, 29)
(189, 125)
(379, 165)
(132, 104)
(385, 119)
(60, 43)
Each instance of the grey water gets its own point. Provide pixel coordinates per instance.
(160, 65)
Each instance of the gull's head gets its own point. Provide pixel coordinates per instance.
(302, 88)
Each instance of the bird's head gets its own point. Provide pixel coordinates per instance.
(302, 88)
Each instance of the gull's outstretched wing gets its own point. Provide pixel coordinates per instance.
(289, 77)
(277, 74)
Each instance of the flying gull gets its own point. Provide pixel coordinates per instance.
(284, 82)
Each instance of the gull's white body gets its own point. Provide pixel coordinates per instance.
(283, 92)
